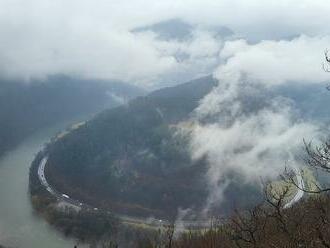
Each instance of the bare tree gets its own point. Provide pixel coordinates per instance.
(169, 235)
(318, 159)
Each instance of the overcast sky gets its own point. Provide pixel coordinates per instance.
(93, 39)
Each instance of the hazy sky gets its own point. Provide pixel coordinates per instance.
(92, 39)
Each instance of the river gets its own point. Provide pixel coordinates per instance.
(19, 226)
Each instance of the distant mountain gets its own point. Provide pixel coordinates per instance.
(177, 29)
(168, 30)
(311, 100)
(26, 107)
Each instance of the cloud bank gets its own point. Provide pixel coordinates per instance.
(240, 127)
(94, 40)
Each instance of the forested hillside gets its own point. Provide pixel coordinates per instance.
(133, 160)
(133, 153)
(26, 107)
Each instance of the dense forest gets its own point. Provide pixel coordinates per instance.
(131, 159)
(270, 223)
(141, 162)
(141, 165)
(28, 106)
(306, 224)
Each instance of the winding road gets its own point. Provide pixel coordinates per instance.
(151, 222)
(19, 224)
(301, 185)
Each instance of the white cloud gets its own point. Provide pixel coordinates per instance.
(277, 62)
(92, 39)
(242, 129)
(254, 145)
(90, 52)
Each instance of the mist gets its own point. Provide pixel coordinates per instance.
(95, 62)
(249, 47)
(244, 129)
(95, 41)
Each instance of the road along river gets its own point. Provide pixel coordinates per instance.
(19, 226)
(301, 185)
(151, 222)
(130, 220)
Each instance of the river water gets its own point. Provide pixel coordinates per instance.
(19, 226)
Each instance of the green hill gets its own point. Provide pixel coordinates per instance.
(27, 107)
(131, 159)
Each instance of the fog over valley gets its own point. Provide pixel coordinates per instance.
(121, 121)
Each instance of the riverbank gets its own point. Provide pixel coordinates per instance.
(87, 224)
(84, 224)
(19, 224)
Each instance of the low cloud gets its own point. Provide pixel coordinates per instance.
(94, 40)
(277, 62)
(242, 129)
(252, 146)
